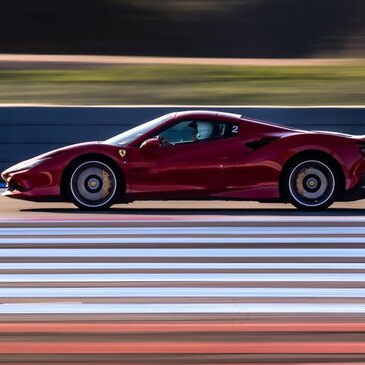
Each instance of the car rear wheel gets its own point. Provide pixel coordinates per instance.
(311, 184)
(93, 185)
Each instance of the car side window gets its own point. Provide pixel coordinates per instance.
(178, 133)
(189, 131)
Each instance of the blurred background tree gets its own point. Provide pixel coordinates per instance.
(188, 28)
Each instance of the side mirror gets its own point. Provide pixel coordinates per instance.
(151, 144)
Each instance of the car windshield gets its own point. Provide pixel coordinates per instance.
(131, 135)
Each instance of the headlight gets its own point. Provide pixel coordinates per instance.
(26, 165)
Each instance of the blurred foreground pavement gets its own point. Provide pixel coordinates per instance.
(192, 288)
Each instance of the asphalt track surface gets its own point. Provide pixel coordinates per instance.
(181, 283)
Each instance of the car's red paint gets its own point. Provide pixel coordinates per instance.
(247, 164)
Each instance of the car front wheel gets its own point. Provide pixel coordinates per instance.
(311, 184)
(93, 185)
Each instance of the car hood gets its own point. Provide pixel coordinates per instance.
(53, 153)
(66, 149)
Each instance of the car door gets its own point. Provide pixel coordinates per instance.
(183, 167)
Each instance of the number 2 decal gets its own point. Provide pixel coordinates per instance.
(235, 129)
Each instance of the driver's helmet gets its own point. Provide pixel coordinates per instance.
(205, 130)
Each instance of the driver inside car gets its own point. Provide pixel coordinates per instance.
(201, 130)
(191, 132)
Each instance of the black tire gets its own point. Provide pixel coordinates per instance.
(93, 184)
(311, 183)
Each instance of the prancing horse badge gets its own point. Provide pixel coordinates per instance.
(122, 153)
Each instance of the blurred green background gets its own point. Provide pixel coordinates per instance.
(270, 29)
(188, 84)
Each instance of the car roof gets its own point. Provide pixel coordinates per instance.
(204, 114)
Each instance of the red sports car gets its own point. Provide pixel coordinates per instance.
(198, 155)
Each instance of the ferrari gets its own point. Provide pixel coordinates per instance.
(198, 155)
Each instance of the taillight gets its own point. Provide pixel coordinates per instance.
(362, 147)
